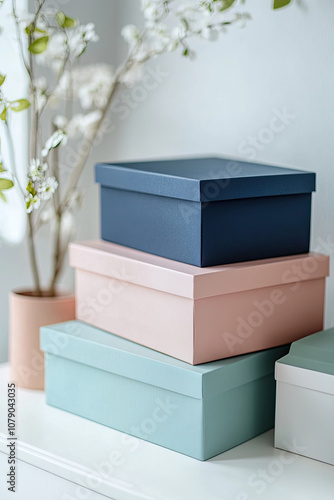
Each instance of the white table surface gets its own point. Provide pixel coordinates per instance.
(120, 467)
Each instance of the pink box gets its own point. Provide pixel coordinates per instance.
(199, 314)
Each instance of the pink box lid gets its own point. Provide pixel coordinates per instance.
(177, 278)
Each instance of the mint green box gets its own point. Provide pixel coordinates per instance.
(200, 411)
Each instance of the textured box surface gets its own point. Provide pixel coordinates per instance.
(199, 411)
(198, 314)
(206, 211)
(305, 398)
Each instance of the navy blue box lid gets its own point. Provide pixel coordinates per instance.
(204, 179)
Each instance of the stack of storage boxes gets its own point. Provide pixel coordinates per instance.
(204, 281)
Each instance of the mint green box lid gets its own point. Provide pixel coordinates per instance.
(314, 352)
(91, 346)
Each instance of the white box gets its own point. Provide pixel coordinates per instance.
(305, 398)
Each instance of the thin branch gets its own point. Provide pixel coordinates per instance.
(33, 258)
(59, 77)
(33, 138)
(57, 255)
(34, 111)
(55, 173)
(80, 164)
(38, 11)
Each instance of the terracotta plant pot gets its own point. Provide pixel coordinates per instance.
(27, 314)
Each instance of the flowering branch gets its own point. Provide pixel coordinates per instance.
(53, 39)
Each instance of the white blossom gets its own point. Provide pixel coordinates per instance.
(83, 124)
(90, 122)
(40, 188)
(79, 37)
(142, 53)
(190, 9)
(55, 53)
(36, 170)
(205, 26)
(131, 34)
(33, 202)
(73, 127)
(178, 32)
(80, 124)
(88, 33)
(153, 10)
(58, 137)
(47, 188)
(158, 38)
(90, 84)
(70, 44)
(60, 122)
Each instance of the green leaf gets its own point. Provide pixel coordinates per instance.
(19, 105)
(2, 79)
(278, 4)
(60, 18)
(185, 52)
(70, 22)
(1, 168)
(225, 4)
(38, 30)
(6, 184)
(3, 197)
(64, 21)
(185, 22)
(3, 115)
(29, 29)
(31, 189)
(33, 29)
(39, 45)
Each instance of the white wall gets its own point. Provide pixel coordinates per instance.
(282, 60)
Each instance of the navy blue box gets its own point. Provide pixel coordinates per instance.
(206, 211)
